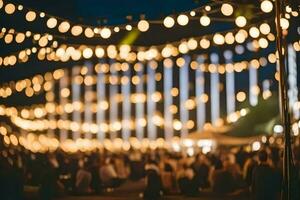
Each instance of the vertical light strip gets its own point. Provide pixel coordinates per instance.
(63, 91)
(184, 94)
(88, 90)
(151, 106)
(230, 90)
(168, 99)
(214, 90)
(253, 94)
(76, 115)
(113, 92)
(139, 106)
(292, 80)
(126, 107)
(101, 102)
(51, 97)
(200, 80)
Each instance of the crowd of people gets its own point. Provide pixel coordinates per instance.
(257, 175)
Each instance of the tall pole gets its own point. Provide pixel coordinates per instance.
(284, 105)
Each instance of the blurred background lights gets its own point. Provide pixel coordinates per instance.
(182, 20)
(30, 16)
(169, 22)
(256, 146)
(51, 22)
(204, 20)
(266, 6)
(105, 33)
(143, 25)
(227, 9)
(278, 128)
(241, 21)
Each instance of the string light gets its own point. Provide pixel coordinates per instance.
(30, 16)
(241, 21)
(204, 20)
(105, 33)
(51, 22)
(10, 8)
(169, 22)
(64, 27)
(182, 20)
(226, 9)
(143, 25)
(76, 30)
(266, 6)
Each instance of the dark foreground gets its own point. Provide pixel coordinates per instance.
(133, 190)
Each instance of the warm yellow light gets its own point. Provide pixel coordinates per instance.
(76, 30)
(204, 43)
(87, 53)
(173, 109)
(263, 43)
(254, 32)
(143, 25)
(204, 20)
(20, 37)
(99, 52)
(241, 96)
(177, 125)
(10, 8)
(51, 22)
(266, 6)
(227, 9)
(116, 29)
(264, 28)
(241, 21)
(182, 20)
(284, 23)
(89, 33)
(30, 16)
(128, 27)
(64, 27)
(192, 44)
(43, 41)
(169, 22)
(105, 33)
(8, 38)
(218, 39)
(183, 48)
(174, 92)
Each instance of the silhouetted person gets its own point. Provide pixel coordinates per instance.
(266, 180)
(153, 182)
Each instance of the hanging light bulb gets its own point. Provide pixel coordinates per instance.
(105, 33)
(182, 20)
(64, 27)
(218, 39)
(10, 8)
(264, 28)
(76, 30)
(266, 6)
(204, 20)
(226, 9)
(51, 22)
(254, 32)
(204, 43)
(128, 27)
(30, 16)
(284, 23)
(143, 25)
(169, 22)
(241, 21)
